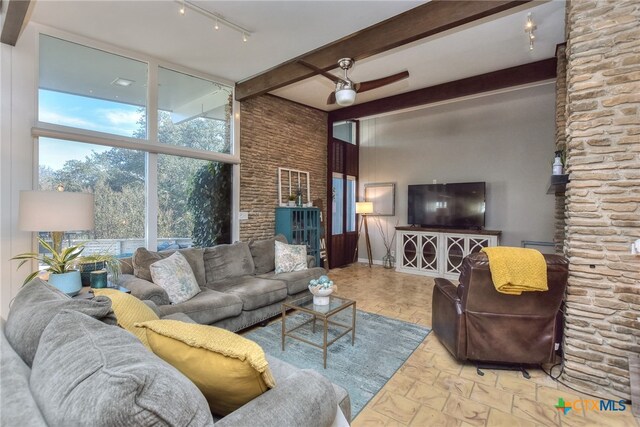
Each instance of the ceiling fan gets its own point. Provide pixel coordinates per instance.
(346, 89)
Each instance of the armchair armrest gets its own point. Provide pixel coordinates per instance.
(447, 318)
(304, 398)
(144, 290)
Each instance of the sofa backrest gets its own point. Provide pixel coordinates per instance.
(224, 261)
(264, 253)
(143, 258)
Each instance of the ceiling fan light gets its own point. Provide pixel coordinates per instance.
(345, 97)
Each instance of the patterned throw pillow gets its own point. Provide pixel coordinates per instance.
(175, 276)
(290, 257)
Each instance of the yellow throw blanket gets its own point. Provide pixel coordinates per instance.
(517, 270)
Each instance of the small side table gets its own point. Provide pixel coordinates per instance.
(87, 292)
(322, 313)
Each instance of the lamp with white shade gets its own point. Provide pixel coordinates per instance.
(364, 209)
(57, 212)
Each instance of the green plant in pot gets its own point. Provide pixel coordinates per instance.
(95, 262)
(61, 266)
(292, 199)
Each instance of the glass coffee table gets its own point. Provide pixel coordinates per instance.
(322, 313)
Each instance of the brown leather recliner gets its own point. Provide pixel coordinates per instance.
(476, 322)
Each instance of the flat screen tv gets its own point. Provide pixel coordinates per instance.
(460, 205)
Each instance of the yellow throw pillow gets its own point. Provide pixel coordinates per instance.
(229, 370)
(129, 310)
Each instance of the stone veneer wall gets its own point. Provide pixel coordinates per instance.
(561, 139)
(603, 198)
(276, 133)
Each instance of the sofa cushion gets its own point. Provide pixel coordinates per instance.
(18, 405)
(290, 257)
(255, 292)
(129, 310)
(264, 253)
(207, 307)
(229, 369)
(282, 370)
(142, 259)
(89, 373)
(174, 275)
(224, 261)
(297, 281)
(35, 305)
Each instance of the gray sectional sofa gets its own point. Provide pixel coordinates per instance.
(239, 285)
(64, 362)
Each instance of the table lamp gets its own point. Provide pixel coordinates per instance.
(56, 212)
(364, 208)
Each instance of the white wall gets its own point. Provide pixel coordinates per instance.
(505, 139)
(18, 82)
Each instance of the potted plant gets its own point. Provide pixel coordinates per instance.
(60, 265)
(94, 262)
(292, 200)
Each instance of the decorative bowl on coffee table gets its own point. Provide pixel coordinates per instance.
(321, 288)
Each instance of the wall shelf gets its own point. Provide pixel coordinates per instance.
(558, 184)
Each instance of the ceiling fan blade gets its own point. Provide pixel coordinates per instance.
(331, 99)
(330, 76)
(374, 84)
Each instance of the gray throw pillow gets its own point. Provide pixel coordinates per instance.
(34, 307)
(224, 261)
(92, 374)
(142, 260)
(263, 253)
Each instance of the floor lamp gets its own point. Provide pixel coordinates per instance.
(364, 209)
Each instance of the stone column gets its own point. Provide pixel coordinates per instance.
(561, 139)
(603, 198)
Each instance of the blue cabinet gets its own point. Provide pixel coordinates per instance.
(301, 226)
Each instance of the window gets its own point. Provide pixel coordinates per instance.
(193, 112)
(337, 209)
(89, 90)
(194, 198)
(116, 178)
(351, 203)
(345, 131)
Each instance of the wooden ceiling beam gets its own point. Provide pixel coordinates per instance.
(420, 22)
(495, 80)
(16, 17)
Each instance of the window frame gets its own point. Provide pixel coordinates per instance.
(151, 145)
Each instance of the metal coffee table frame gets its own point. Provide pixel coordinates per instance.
(305, 305)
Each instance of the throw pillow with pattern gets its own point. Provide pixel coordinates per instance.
(175, 276)
(290, 257)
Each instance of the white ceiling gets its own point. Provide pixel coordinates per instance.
(285, 29)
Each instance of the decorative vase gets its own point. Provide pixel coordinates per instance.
(321, 295)
(69, 283)
(388, 261)
(87, 268)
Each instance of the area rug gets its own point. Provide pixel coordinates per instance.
(382, 345)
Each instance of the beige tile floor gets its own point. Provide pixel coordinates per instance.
(433, 389)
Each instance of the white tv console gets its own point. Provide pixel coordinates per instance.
(438, 252)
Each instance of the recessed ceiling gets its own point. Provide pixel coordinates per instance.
(281, 29)
(489, 45)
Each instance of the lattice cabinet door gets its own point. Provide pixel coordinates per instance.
(475, 244)
(454, 252)
(408, 245)
(429, 253)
